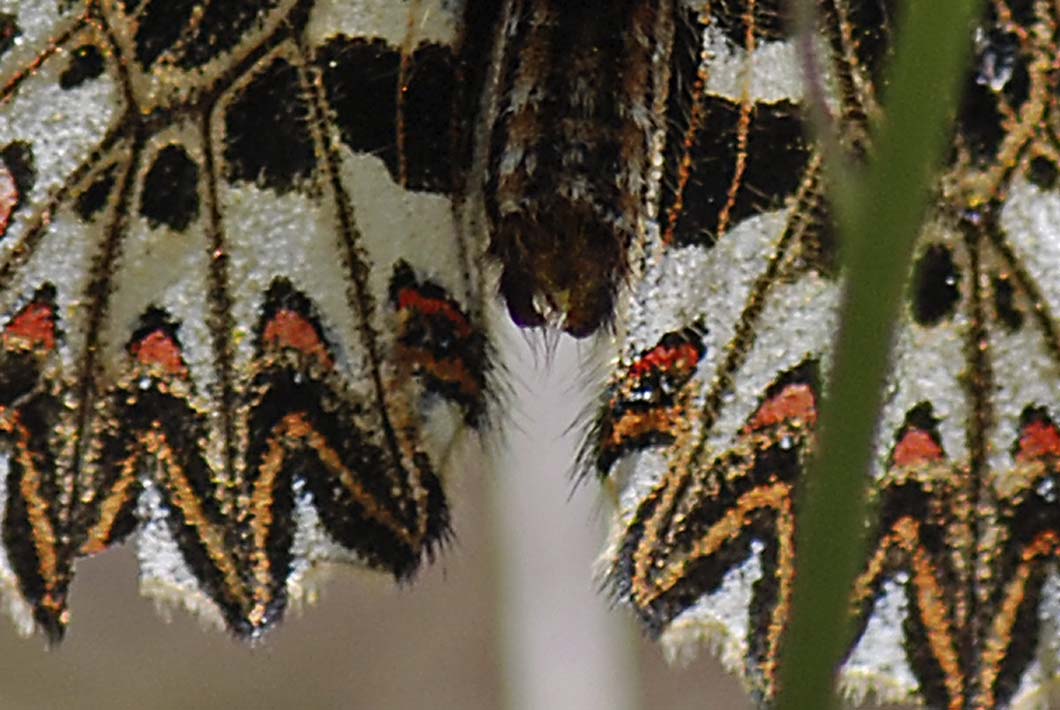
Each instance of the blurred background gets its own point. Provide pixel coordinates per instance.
(509, 618)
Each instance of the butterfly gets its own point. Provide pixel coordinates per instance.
(247, 249)
(709, 421)
(238, 316)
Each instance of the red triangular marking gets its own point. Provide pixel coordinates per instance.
(414, 300)
(916, 447)
(1039, 439)
(34, 328)
(159, 349)
(796, 402)
(289, 329)
(663, 359)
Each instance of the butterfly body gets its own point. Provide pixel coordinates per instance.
(571, 127)
(245, 251)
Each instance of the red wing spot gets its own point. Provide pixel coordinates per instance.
(33, 328)
(290, 329)
(1039, 439)
(794, 403)
(8, 197)
(409, 298)
(662, 359)
(158, 349)
(916, 447)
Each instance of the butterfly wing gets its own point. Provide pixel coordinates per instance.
(237, 310)
(956, 607)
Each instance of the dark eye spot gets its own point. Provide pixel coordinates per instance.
(94, 198)
(86, 63)
(1042, 172)
(361, 78)
(267, 139)
(776, 131)
(8, 31)
(935, 289)
(17, 160)
(170, 192)
(428, 106)
(190, 32)
(1005, 303)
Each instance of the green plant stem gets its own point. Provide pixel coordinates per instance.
(879, 213)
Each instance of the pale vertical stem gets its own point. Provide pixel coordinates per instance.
(563, 646)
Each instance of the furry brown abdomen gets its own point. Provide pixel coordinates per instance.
(570, 140)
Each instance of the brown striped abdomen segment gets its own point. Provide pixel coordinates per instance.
(569, 153)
